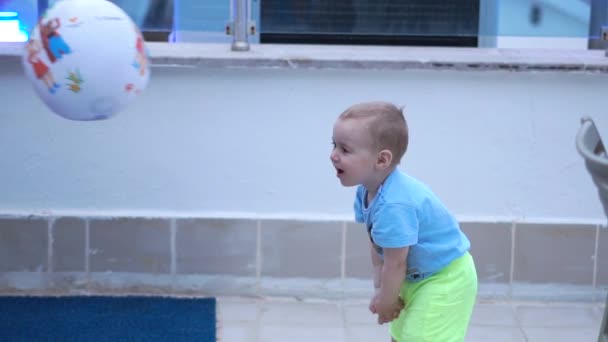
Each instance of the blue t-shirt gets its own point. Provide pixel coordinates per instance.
(405, 212)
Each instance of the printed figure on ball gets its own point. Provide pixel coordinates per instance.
(54, 45)
(41, 70)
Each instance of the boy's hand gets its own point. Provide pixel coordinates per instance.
(386, 313)
(372, 303)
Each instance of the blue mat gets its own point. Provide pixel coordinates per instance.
(100, 318)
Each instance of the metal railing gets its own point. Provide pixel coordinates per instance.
(589, 144)
(240, 26)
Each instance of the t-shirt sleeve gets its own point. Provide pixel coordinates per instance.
(395, 226)
(358, 205)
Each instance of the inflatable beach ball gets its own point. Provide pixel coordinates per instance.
(86, 59)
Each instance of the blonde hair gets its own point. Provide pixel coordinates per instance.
(387, 126)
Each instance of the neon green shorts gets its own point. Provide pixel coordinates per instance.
(438, 308)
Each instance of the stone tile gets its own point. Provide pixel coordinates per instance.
(367, 333)
(239, 332)
(355, 314)
(491, 250)
(23, 245)
(358, 261)
(130, 245)
(304, 321)
(602, 258)
(69, 245)
(71, 282)
(493, 315)
(556, 334)
(358, 288)
(567, 257)
(216, 246)
(120, 283)
(598, 313)
(303, 249)
(215, 285)
(28, 283)
(300, 332)
(322, 288)
(553, 293)
(238, 311)
(478, 333)
(323, 314)
(553, 316)
(493, 291)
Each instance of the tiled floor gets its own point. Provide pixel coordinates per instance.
(278, 319)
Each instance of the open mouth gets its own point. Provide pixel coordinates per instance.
(339, 171)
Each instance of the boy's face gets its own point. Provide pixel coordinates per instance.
(352, 155)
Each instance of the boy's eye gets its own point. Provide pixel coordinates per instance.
(342, 148)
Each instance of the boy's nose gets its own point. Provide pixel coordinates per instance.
(333, 156)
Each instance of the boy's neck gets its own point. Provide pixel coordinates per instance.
(372, 190)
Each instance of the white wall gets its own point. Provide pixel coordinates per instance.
(248, 142)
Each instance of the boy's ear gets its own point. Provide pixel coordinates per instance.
(385, 158)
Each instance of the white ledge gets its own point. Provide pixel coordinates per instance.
(363, 57)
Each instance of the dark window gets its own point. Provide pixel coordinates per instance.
(376, 22)
(154, 17)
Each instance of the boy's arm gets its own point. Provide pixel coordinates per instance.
(377, 263)
(391, 277)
